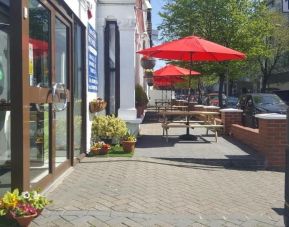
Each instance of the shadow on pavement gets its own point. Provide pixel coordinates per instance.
(151, 141)
(239, 162)
(209, 168)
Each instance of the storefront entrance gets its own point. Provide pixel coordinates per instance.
(47, 93)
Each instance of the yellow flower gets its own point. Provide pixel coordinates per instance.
(10, 200)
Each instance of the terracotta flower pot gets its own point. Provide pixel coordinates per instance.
(24, 220)
(39, 211)
(95, 151)
(128, 146)
(104, 151)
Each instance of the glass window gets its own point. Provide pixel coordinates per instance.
(61, 78)
(39, 44)
(39, 142)
(77, 89)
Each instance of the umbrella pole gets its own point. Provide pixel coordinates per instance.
(171, 97)
(187, 136)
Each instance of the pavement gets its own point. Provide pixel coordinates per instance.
(196, 183)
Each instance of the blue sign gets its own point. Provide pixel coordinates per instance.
(92, 59)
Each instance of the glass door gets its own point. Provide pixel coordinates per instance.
(49, 70)
(61, 82)
(5, 102)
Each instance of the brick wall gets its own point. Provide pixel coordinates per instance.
(269, 140)
(229, 118)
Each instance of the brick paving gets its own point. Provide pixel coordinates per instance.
(146, 191)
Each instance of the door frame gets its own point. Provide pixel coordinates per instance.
(22, 94)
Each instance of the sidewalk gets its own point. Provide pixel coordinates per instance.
(167, 190)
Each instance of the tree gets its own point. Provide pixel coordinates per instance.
(231, 23)
(272, 44)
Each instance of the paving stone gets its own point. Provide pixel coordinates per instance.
(162, 187)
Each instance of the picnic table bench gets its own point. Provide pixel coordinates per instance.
(208, 121)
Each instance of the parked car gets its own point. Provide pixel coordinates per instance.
(283, 94)
(232, 102)
(213, 99)
(253, 104)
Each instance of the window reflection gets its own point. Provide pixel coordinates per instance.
(77, 90)
(5, 119)
(39, 33)
(39, 142)
(61, 77)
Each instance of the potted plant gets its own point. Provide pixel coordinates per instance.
(100, 148)
(128, 143)
(141, 100)
(105, 128)
(147, 62)
(23, 207)
(97, 105)
(148, 76)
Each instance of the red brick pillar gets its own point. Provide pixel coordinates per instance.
(273, 136)
(229, 117)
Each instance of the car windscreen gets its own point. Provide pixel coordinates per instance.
(267, 100)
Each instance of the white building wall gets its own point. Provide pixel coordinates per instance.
(79, 8)
(123, 12)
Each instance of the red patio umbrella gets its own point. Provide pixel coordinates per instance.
(193, 48)
(172, 70)
(163, 81)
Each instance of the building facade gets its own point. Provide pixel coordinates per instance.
(56, 56)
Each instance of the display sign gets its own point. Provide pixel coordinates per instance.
(31, 66)
(92, 59)
(285, 6)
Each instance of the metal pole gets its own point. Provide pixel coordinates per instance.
(286, 206)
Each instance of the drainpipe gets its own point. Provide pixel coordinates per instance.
(286, 213)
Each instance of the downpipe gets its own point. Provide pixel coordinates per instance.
(286, 205)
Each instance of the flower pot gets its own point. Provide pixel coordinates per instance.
(104, 151)
(39, 211)
(97, 105)
(95, 151)
(128, 146)
(147, 63)
(140, 111)
(24, 220)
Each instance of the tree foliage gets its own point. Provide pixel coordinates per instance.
(238, 24)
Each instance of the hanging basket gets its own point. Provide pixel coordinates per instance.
(97, 105)
(148, 76)
(147, 63)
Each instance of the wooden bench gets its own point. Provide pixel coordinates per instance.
(212, 127)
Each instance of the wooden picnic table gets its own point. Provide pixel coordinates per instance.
(206, 120)
(180, 107)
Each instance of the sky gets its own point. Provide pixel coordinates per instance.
(156, 20)
(156, 7)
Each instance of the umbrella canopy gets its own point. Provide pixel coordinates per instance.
(193, 48)
(167, 81)
(172, 70)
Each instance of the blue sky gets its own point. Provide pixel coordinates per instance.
(156, 5)
(156, 20)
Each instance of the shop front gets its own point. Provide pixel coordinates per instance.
(42, 90)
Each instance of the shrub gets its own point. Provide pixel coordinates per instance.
(141, 98)
(107, 127)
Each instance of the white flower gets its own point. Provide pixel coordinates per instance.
(25, 195)
(35, 195)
